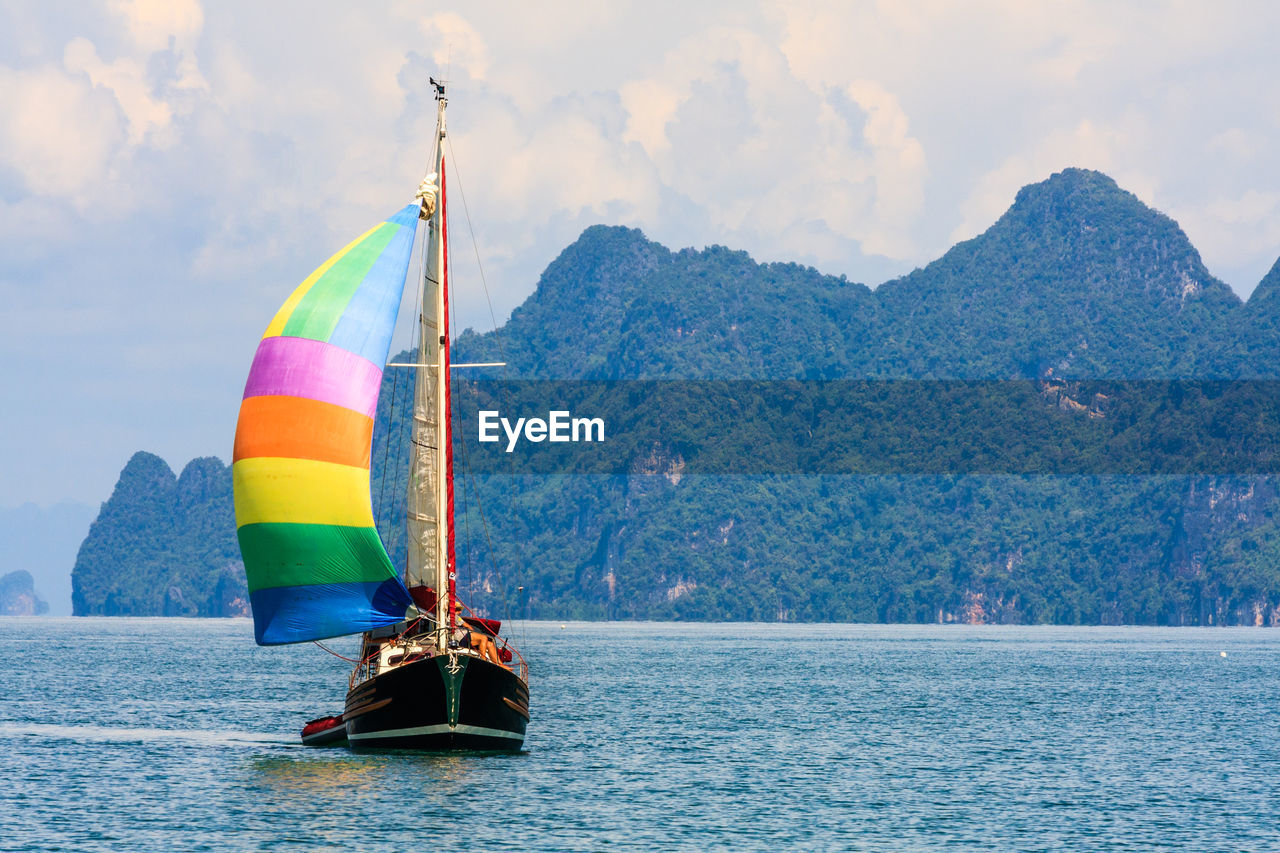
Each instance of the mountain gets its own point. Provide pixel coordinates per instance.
(1255, 338)
(18, 596)
(1078, 280)
(651, 312)
(1078, 277)
(163, 545)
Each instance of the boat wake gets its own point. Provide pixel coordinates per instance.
(114, 734)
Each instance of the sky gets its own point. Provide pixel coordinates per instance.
(170, 170)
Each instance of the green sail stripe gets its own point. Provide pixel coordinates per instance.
(319, 311)
(280, 554)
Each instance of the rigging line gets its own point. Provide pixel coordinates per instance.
(473, 499)
(502, 353)
(468, 476)
(456, 404)
(466, 521)
(387, 439)
(493, 317)
(399, 437)
(415, 347)
(467, 473)
(470, 479)
(502, 587)
(336, 655)
(466, 529)
(475, 246)
(493, 555)
(448, 275)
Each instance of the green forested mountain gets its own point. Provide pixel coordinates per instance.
(163, 545)
(1078, 280)
(1078, 277)
(1254, 341)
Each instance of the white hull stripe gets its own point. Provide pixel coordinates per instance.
(442, 729)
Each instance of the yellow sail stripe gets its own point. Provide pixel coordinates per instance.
(286, 310)
(274, 489)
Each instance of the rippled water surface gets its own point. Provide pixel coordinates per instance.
(158, 734)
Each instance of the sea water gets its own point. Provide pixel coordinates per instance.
(171, 734)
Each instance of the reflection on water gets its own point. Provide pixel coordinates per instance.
(312, 776)
(336, 770)
(351, 772)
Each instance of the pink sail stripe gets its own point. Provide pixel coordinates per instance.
(314, 370)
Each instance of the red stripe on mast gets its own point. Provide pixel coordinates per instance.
(451, 557)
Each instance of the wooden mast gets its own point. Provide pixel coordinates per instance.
(435, 341)
(446, 577)
(430, 570)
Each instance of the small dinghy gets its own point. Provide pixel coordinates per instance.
(325, 731)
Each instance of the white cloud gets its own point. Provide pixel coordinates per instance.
(732, 127)
(69, 127)
(454, 43)
(1235, 142)
(152, 23)
(1238, 235)
(57, 133)
(1251, 208)
(206, 158)
(159, 26)
(650, 105)
(898, 168)
(146, 116)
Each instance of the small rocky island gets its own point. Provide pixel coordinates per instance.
(18, 596)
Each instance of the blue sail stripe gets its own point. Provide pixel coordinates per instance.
(297, 614)
(369, 318)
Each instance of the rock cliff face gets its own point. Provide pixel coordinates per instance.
(18, 596)
(1224, 547)
(163, 545)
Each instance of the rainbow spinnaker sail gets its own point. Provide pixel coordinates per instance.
(304, 515)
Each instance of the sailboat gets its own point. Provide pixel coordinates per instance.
(430, 674)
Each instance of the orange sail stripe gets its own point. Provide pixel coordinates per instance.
(298, 428)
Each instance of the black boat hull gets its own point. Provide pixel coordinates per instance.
(445, 702)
